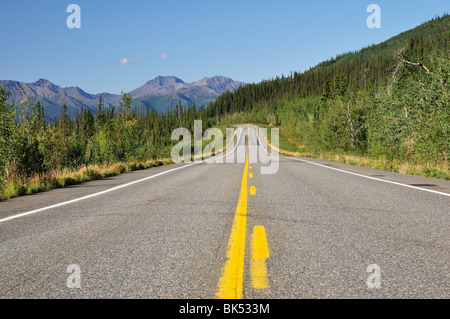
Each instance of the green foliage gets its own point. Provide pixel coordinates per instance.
(7, 130)
(31, 146)
(385, 101)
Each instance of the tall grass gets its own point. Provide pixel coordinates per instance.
(290, 146)
(17, 186)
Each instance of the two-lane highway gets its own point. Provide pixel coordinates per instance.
(311, 230)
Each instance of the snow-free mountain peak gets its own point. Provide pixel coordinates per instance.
(159, 94)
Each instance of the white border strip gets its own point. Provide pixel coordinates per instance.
(370, 177)
(90, 196)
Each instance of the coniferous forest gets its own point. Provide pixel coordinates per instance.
(388, 101)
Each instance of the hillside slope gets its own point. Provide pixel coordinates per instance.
(388, 101)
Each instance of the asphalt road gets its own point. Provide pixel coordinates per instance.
(187, 231)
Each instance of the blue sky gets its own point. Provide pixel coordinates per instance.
(246, 40)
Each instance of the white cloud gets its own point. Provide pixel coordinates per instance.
(124, 61)
(163, 56)
(130, 60)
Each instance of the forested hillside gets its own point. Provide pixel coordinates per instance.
(389, 100)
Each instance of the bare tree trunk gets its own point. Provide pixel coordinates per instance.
(354, 139)
(403, 61)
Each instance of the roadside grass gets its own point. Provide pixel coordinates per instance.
(16, 186)
(290, 146)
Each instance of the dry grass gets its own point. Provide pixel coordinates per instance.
(439, 170)
(16, 186)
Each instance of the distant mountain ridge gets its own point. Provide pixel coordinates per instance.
(160, 85)
(165, 91)
(159, 94)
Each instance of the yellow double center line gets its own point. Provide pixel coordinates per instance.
(231, 282)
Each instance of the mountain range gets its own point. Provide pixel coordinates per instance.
(158, 94)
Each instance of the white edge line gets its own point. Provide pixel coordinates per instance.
(91, 195)
(265, 150)
(360, 175)
(370, 177)
(105, 191)
(226, 146)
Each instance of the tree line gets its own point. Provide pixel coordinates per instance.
(30, 145)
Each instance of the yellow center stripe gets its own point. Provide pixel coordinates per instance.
(230, 283)
(260, 252)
